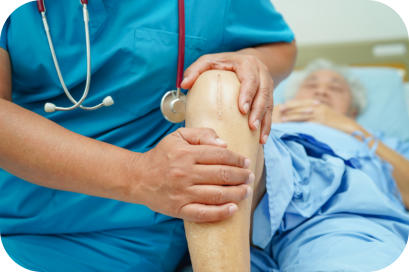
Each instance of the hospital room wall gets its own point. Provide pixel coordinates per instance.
(351, 28)
(335, 21)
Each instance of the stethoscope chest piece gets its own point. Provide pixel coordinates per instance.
(173, 106)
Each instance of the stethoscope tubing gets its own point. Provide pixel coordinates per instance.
(181, 45)
(169, 100)
(49, 107)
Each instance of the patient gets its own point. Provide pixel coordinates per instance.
(329, 95)
(331, 197)
(341, 207)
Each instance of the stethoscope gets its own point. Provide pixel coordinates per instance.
(173, 102)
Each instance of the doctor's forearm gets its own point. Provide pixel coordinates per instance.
(42, 152)
(278, 57)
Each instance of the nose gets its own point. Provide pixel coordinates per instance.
(321, 91)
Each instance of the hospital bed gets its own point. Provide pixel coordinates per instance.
(383, 68)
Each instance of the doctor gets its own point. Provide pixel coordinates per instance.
(99, 190)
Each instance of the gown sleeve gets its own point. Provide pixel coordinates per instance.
(403, 149)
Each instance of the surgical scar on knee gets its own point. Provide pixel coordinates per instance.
(219, 99)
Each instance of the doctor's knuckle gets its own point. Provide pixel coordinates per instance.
(202, 214)
(263, 67)
(201, 153)
(177, 173)
(224, 175)
(220, 215)
(180, 153)
(196, 139)
(205, 58)
(243, 192)
(249, 60)
(240, 161)
(187, 71)
(252, 80)
(209, 132)
(175, 196)
(218, 196)
(269, 107)
(181, 131)
(266, 93)
(176, 136)
(219, 155)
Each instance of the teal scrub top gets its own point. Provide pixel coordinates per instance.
(134, 59)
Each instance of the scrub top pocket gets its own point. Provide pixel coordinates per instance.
(155, 67)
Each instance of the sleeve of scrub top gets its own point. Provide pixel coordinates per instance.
(249, 23)
(3, 36)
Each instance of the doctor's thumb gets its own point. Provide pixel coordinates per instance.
(187, 82)
(201, 136)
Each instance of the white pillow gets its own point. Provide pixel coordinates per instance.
(387, 110)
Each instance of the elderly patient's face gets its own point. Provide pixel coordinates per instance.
(329, 88)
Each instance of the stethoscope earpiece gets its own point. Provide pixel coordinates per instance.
(49, 107)
(108, 101)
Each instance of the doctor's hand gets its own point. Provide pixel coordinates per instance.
(256, 91)
(191, 174)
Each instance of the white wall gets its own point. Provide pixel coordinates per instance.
(331, 21)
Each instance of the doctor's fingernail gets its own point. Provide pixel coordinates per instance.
(220, 142)
(246, 163)
(265, 137)
(248, 192)
(251, 178)
(232, 209)
(246, 107)
(316, 102)
(256, 124)
(184, 80)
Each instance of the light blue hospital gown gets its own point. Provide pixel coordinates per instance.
(331, 204)
(134, 57)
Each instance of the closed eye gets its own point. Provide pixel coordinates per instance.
(336, 88)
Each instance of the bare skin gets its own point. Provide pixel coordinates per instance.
(258, 69)
(324, 97)
(224, 246)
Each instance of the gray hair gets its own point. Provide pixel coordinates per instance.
(358, 91)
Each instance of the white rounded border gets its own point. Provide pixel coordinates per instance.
(6, 8)
(401, 7)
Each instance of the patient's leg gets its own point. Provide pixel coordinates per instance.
(213, 103)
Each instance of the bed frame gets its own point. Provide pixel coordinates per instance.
(389, 53)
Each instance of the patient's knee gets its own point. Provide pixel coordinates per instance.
(214, 96)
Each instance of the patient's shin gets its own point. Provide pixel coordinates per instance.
(213, 103)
